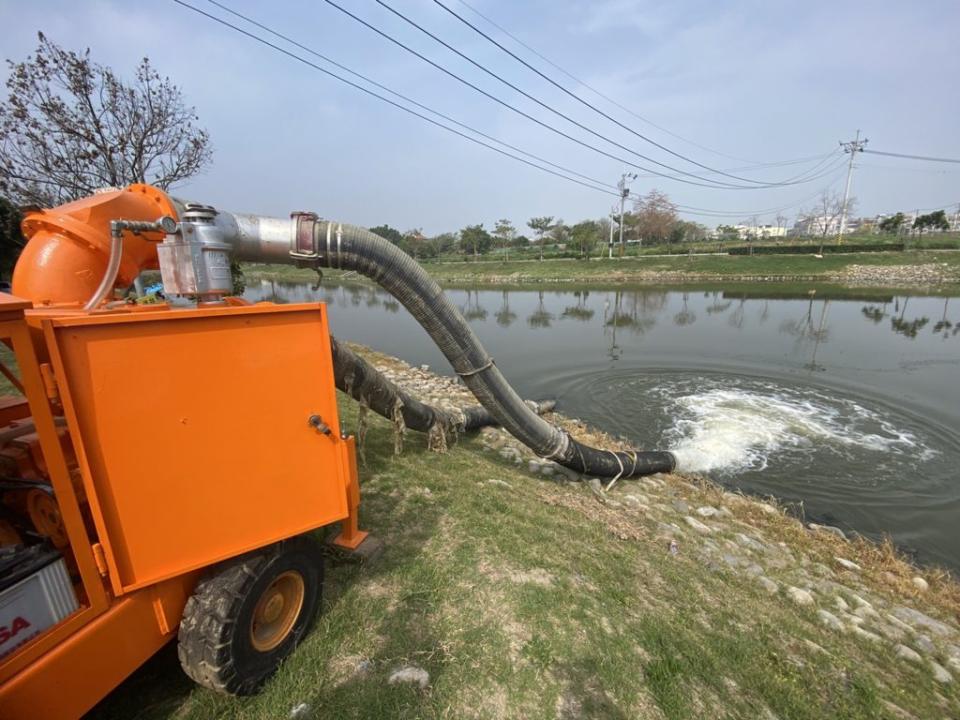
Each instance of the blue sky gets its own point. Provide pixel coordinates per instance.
(763, 81)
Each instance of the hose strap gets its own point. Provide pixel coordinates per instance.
(616, 456)
(474, 371)
(560, 448)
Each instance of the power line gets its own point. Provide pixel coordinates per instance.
(386, 36)
(592, 89)
(592, 184)
(386, 100)
(914, 157)
(406, 98)
(577, 97)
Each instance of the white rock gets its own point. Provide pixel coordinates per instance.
(925, 644)
(767, 584)
(498, 481)
(908, 653)
(697, 525)
(707, 511)
(840, 603)
(940, 673)
(866, 635)
(921, 584)
(860, 601)
(749, 542)
(410, 674)
(768, 509)
(799, 596)
(848, 564)
(915, 617)
(830, 620)
(299, 711)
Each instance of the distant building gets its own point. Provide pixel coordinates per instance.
(755, 232)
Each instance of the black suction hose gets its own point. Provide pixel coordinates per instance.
(363, 382)
(349, 247)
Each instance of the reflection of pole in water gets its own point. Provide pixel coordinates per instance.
(818, 337)
(614, 351)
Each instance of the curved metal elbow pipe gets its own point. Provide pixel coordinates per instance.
(68, 252)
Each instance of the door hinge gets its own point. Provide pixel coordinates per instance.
(100, 558)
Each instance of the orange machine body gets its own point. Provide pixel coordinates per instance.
(172, 439)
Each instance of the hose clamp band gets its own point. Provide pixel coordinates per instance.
(486, 366)
(303, 244)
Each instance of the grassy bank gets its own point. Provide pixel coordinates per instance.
(904, 269)
(529, 596)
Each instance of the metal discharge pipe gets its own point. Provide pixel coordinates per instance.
(308, 240)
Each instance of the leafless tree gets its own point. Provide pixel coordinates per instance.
(654, 216)
(70, 126)
(781, 223)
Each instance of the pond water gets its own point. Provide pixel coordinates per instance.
(846, 402)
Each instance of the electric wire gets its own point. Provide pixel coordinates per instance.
(926, 158)
(505, 104)
(591, 183)
(572, 94)
(294, 56)
(598, 93)
(406, 98)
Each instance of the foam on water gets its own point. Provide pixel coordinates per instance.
(729, 425)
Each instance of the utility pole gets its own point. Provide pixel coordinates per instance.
(852, 147)
(624, 194)
(610, 242)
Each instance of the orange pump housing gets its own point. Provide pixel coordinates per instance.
(69, 245)
(172, 439)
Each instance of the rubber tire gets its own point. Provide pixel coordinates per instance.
(214, 637)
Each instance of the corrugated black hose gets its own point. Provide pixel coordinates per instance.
(349, 247)
(364, 383)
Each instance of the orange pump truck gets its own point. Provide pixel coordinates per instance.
(165, 466)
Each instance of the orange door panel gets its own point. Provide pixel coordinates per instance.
(193, 434)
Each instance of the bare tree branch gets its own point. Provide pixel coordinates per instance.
(70, 126)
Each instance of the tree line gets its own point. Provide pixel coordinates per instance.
(653, 219)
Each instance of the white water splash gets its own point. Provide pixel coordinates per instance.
(730, 427)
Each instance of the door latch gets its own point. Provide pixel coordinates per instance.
(316, 422)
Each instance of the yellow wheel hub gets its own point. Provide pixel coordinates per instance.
(277, 610)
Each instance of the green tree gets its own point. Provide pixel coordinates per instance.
(388, 233)
(893, 224)
(586, 235)
(520, 242)
(541, 226)
(504, 231)
(11, 239)
(931, 221)
(70, 126)
(443, 243)
(475, 239)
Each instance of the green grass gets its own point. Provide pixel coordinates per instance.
(537, 601)
(649, 269)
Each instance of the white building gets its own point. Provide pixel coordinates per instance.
(756, 232)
